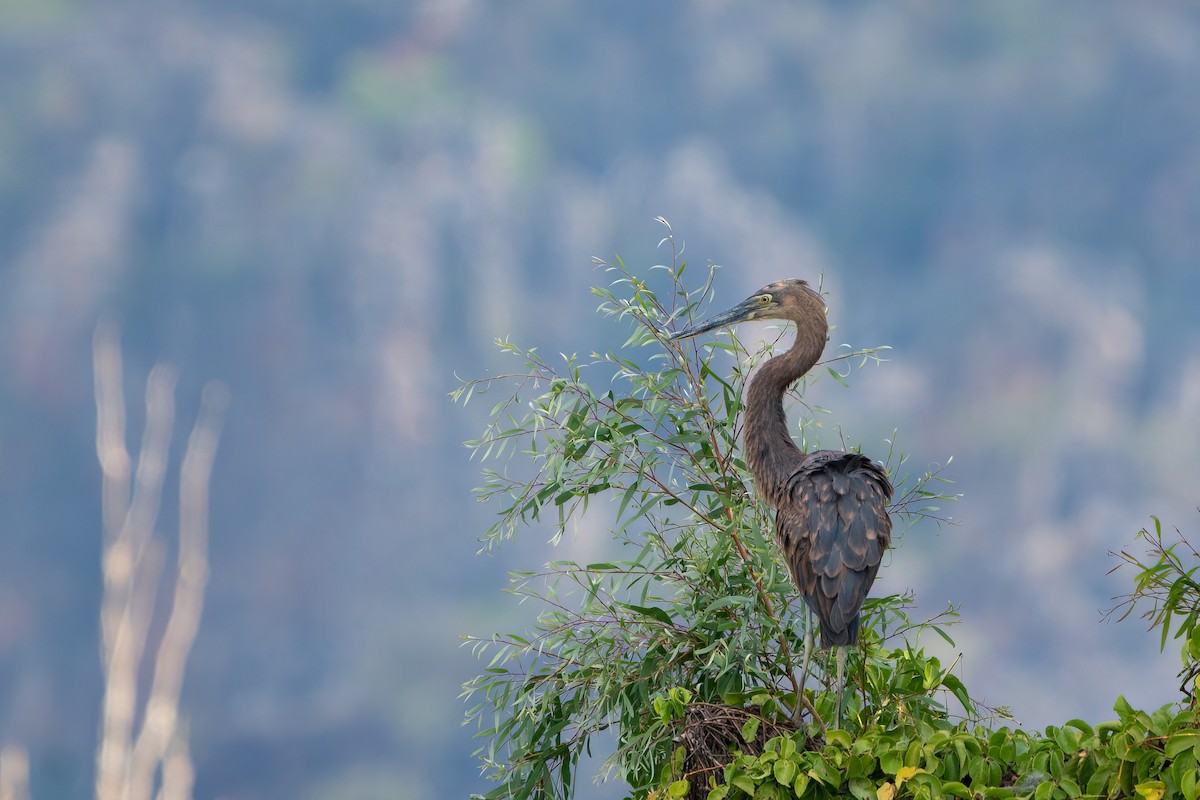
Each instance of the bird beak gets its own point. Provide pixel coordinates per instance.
(746, 310)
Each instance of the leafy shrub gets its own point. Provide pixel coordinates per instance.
(1166, 582)
(687, 649)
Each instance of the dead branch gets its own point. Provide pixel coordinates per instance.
(128, 763)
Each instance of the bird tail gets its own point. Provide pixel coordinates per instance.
(847, 637)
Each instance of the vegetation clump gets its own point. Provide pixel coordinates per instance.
(682, 655)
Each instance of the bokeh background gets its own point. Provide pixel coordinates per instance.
(334, 207)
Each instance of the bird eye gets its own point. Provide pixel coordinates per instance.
(764, 299)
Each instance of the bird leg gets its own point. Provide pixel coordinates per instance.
(841, 682)
(808, 646)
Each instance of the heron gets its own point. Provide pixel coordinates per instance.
(831, 516)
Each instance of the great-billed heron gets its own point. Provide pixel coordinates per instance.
(831, 517)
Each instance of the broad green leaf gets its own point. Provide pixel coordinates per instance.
(1098, 783)
(1079, 725)
(678, 789)
(767, 791)
(677, 759)
(861, 765)
(1151, 790)
(1067, 739)
(1123, 709)
(1181, 741)
(1188, 784)
(787, 747)
(891, 761)
(838, 737)
(912, 756)
(785, 771)
(743, 782)
(998, 793)
(862, 788)
(1070, 787)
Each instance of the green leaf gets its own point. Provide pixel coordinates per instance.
(891, 761)
(1070, 787)
(1188, 785)
(653, 612)
(718, 792)
(1079, 725)
(862, 788)
(1098, 783)
(677, 759)
(957, 789)
(767, 791)
(662, 708)
(750, 729)
(836, 376)
(839, 738)
(977, 770)
(787, 747)
(1122, 707)
(862, 765)
(1181, 741)
(912, 757)
(744, 782)
(785, 771)
(956, 687)
(1067, 740)
(679, 788)
(727, 601)
(1151, 790)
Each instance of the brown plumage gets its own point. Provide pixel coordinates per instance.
(831, 516)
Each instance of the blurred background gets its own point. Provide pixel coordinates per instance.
(334, 207)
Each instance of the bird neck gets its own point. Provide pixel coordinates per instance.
(770, 452)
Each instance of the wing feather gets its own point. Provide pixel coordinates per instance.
(833, 526)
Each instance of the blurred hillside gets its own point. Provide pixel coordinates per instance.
(334, 208)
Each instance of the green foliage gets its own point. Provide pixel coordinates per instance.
(686, 650)
(701, 603)
(1152, 755)
(1166, 582)
(925, 755)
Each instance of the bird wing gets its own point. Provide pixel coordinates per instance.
(833, 527)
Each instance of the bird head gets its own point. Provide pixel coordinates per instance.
(790, 299)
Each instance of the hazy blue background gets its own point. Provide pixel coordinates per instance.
(334, 206)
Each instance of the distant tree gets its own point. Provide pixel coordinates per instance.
(687, 648)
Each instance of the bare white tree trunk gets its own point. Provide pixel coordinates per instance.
(129, 756)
